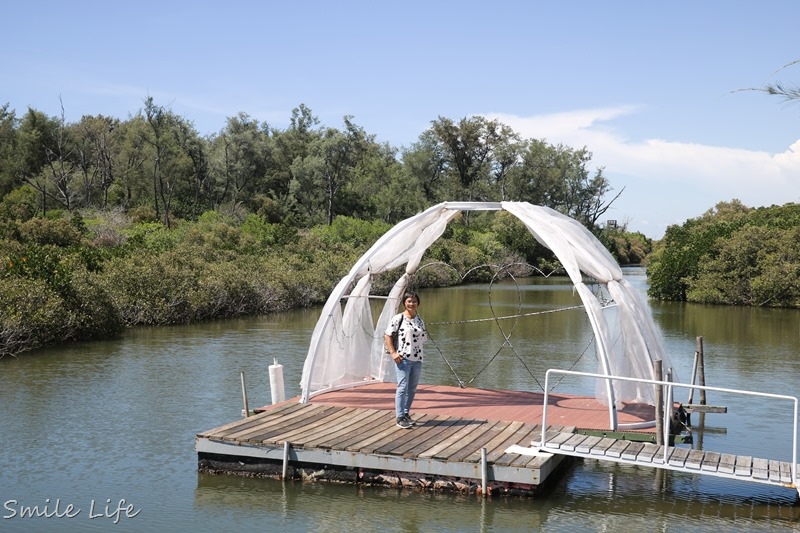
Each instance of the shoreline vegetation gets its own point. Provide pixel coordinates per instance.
(107, 224)
(90, 275)
(87, 276)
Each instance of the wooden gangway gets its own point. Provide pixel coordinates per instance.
(739, 467)
(726, 465)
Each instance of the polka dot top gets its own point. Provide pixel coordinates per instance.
(411, 335)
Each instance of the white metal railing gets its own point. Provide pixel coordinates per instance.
(668, 403)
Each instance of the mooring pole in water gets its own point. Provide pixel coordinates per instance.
(285, 459)
(694, 379)
(669, 404)
(701, 369)
(244, 396)
(668, 415)
(484, 472)
(657, 373)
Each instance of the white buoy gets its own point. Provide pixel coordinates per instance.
(276, 382)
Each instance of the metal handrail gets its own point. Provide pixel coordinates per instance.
(668, 402)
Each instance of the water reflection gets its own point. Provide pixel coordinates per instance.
(593, 497)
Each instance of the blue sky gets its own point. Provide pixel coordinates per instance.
(652, 89)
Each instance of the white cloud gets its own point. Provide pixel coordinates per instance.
(560, 125)
(678, 177)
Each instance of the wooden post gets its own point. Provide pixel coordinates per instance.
(285, 459)
(701, 371)
(484, 473)
(244, 396)
(659, 403)
(669, 403)
(694, 379)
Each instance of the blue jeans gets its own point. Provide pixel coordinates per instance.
(408, 373)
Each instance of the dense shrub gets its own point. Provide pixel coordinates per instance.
(39, 262)
(20, 204)
(731, 255)
(462, 258)
(151, 238)
(31, 315)
(626, 248)
(70, 278)
(180, 286)
(144, 213)
(148, 290)
(43, 231)
(352, 231)
(92, 311)
(519, 241)
(262, 232)
(756, 266)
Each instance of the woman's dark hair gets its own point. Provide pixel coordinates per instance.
(410, 294)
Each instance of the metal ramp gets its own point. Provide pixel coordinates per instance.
(741, 467)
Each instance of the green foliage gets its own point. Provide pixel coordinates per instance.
(352, 231)
(156, 166)
(31, 315)
(486, 243)
(180, 287)
(328, 262)
(259, 229)
(757, 266)
(675, 261)
(269, 231)
(19, 204)
(461, 257)
(214, 234)
(59, 282)
(151, 237)
(35, 262)
(149, 290)
(90, 308)
(517, 239)
(785, 216)
(9, 161)
(144, 213)
(626, 248)
(43, 231)
(731, 255)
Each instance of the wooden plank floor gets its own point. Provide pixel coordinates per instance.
(484, 404)
(438, 445)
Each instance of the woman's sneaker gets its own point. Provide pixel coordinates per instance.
(402, 422)
(409, 419)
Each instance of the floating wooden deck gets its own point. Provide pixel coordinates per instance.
(440, 451)
(463, 436)
(465, 439)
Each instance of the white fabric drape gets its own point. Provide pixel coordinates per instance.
(346, 347)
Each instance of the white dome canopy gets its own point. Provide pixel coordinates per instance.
(346, 348)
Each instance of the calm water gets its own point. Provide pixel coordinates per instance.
(90, 425)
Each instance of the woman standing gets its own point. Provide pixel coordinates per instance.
(407, 355)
